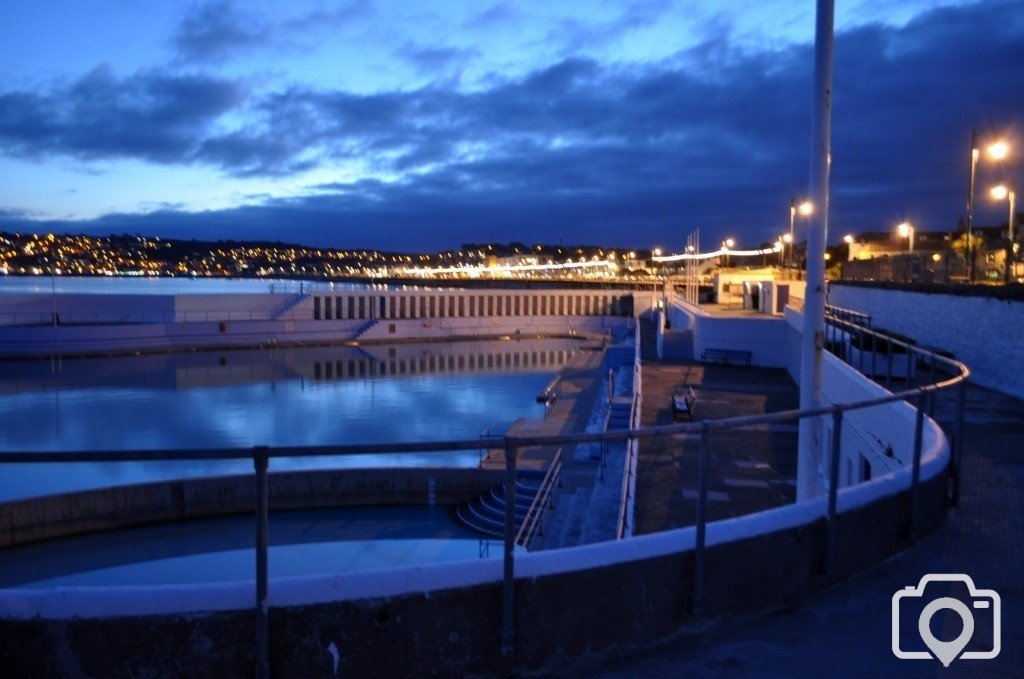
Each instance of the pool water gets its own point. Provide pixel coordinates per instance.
(293, 397)
(319, 542)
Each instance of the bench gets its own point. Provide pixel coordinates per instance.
(725, 356)
(683, 403)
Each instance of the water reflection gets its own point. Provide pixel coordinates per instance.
(221, 549)
(306, 396)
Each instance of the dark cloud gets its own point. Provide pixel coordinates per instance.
(152, 116)
(211, 31)
(715, 138)
(221, 29)
(434, 60)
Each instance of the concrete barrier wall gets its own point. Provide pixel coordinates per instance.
(44, 341)
(98, 324)
(874, 441)
(67, 514)
(983, 332)
(763, 336)
(456, 630)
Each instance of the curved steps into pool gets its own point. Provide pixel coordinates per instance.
(485, 514)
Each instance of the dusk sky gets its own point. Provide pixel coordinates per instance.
(422, 125)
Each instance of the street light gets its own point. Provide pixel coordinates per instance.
(805, 209)
(657, 252)
(848, 239)
(906, 230)
(1008, 192)
(998, 150)
(726, 244)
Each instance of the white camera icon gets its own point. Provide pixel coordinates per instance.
(948, 651)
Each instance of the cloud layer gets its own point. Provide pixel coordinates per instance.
(715, 137)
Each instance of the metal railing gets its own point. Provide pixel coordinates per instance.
(624, 527)
(544, 499)
(922, 395)
(858, 317)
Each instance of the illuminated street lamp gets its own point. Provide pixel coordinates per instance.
(726, 244)
(848, 239)
(806, 209)
(998, 151)
(906, 230)
(656, 252)
(1008, 192)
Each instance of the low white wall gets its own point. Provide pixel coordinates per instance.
(881, 437)
(94, 339)
(986, 334)
(763, 336)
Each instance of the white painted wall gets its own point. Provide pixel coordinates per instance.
(986, 334)
(763, 336)
(883, 435)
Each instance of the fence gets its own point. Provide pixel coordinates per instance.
(922, 395)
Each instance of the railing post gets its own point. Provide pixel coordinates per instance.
(874, 355)
(259, 458)
(833, 489)
(958, 445)
(508, 579)
(931, 396)
(915, 477)
(888, 368)
(702, 518)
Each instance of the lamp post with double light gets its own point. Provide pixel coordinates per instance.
(1008, 192)
(997, 150)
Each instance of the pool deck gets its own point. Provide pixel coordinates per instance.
(750, 469)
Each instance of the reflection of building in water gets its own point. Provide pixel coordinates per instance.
(251, 366)
(461, 357)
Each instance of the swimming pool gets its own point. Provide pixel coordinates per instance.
(295, 397)
(318, 542)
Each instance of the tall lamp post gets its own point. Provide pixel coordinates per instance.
(906, 230)
(726, 245)
(997, 151)
(1008, 192)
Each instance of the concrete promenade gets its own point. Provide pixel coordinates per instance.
(846, 632)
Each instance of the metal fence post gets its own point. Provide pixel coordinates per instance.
(260, 461)
(508, 579)
(702, 520)
(874, 355)
(833, 489)
(915, 477)
(931, 396)
(958, 445)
